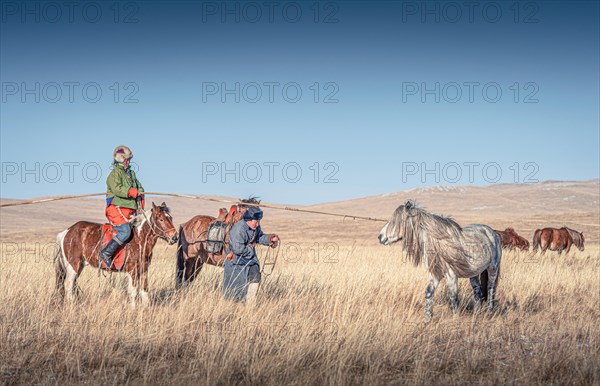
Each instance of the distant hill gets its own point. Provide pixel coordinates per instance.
(524, 207)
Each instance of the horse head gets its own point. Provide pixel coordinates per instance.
(161, 223)
(395, 229)
(581, 241)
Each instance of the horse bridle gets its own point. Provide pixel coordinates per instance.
(152, 226)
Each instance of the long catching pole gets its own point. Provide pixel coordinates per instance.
(194, 197)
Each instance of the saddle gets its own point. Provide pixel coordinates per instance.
(120, 257)
(218, 229)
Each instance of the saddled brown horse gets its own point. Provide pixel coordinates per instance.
(511, 239)
(79, 245)
(191, 249)
(557, 239)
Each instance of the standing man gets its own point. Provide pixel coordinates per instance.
(241, 269)
(124, 196)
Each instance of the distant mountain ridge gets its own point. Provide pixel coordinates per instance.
(522, 206)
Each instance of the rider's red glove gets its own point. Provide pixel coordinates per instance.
(132, 192)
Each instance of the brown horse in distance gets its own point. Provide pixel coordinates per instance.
(79, 245)
(505, 239)
(510, 239)
(521, 242)
(191, 249)
(557, 239)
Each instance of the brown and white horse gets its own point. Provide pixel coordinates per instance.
(191, 249)
(557, 239)
(79, 245)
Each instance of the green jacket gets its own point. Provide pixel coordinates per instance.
(118, 183)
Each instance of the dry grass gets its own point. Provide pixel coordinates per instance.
(342, 316)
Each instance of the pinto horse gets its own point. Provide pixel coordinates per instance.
(80, 245)
(191, 248)
(447, 250)
(557, 239)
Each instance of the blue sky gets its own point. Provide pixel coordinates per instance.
(363, 124)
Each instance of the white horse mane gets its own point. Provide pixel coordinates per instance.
(139, 220)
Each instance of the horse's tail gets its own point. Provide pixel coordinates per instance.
(180, 274)
(536, 239)
(59, 264)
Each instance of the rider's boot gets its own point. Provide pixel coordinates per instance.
(109, 251)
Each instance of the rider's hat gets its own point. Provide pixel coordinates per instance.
(253, 213)
(122, 153)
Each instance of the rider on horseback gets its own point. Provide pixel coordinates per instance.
(124, 196)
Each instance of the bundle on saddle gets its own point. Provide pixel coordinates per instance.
(120, 257)
(218, 230)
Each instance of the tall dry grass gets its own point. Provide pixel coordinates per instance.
(327, 315)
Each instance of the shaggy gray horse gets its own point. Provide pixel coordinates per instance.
(448, 250)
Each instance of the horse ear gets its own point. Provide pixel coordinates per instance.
(163, 204)
(153, 206)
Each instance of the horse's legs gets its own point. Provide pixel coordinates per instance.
(132, 290)
(491, 285)
(60, 275)
(70, 282)
(477, 293)
(144, 289)
(193, 268)
(569, 243)
(432, 284)
(60, 265)
(182, 256)
(187, 261)
(453, 289)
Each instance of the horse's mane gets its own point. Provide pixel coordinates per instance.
(576, 236)
(138, 220)
(435, 238)
(250, 200)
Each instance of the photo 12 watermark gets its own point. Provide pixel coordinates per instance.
(270, 12)
(69, 12)
(28, 252)
(13, 172)
(469, 92)
(270, 172)
(469, 172)
(69, 92)
(317, 253)
(470, 12)
(269, 92)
